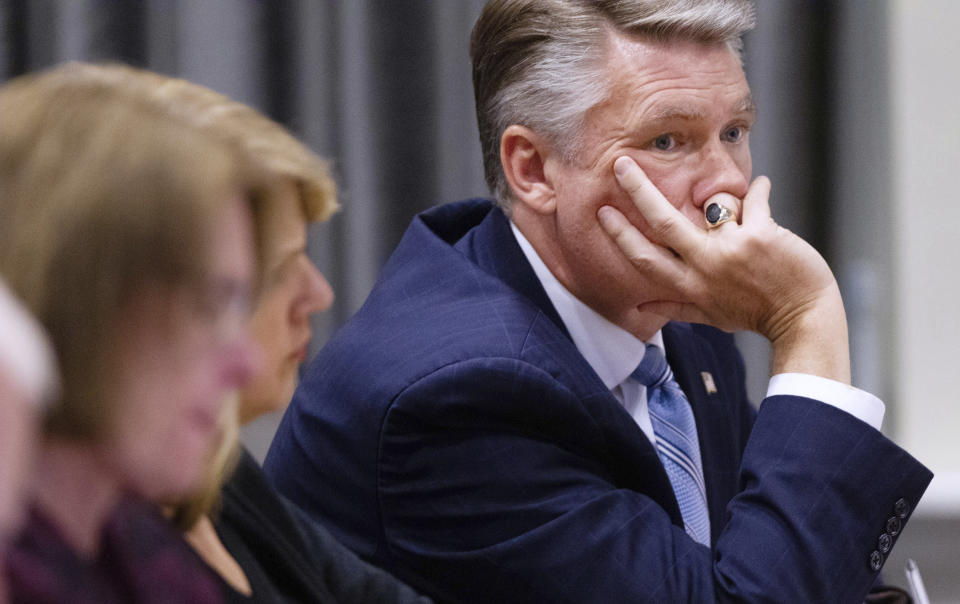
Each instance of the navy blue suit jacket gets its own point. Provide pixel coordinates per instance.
(452, 433)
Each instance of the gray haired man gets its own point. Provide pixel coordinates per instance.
(498, 424)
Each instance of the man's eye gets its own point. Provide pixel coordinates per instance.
(664, 142)
(734, 134)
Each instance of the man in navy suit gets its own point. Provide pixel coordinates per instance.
(478, 428)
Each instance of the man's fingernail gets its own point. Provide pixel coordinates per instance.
(621, 166)
(604, 215)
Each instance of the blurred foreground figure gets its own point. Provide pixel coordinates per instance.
(263, 546)
(129, 237)
(27, 381)
(535, 403)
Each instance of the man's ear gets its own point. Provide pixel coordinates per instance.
(522, 155)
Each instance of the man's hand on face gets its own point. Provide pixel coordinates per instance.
(752, 275)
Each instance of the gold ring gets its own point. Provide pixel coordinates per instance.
(717, 214)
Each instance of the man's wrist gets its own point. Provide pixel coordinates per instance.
(815, 341)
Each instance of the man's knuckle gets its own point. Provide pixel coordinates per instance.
(665, 227)
(644, 262)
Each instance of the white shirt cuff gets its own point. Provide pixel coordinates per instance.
(858, 403)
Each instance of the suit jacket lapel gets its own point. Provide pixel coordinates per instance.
(493, 247)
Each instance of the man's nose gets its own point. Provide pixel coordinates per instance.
(719, 173)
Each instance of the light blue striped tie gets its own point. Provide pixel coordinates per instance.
(677, 445)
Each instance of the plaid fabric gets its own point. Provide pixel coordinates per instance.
(142, 559)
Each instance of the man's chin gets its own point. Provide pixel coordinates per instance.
(643, 324)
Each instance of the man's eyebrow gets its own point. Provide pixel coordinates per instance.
(747, 105)
(690, 113)
(674, 112)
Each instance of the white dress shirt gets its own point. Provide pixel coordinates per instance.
(614, 353)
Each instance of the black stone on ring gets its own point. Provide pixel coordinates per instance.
(717, 214)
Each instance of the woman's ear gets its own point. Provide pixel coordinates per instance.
(522, 155)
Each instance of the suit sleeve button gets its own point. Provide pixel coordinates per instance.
(893, 526)
(876, 561)
(886, 542)
(901, 508)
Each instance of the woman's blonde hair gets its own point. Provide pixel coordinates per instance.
(263, 143)
(101, 195)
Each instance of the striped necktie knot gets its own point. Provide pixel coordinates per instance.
(653, 370)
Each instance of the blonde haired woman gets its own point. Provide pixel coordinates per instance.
(128, 236)
(265, 548)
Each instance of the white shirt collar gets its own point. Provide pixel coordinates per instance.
(611, 351)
